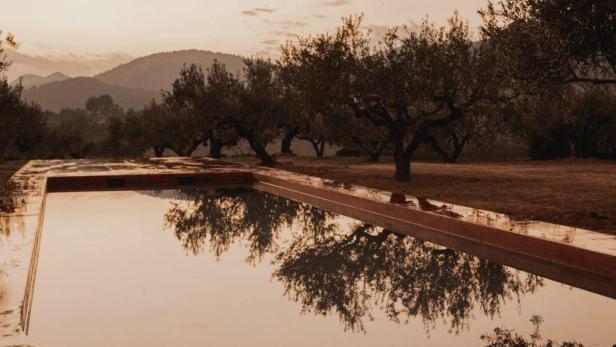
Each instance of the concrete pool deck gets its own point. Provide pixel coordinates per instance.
(573, 256)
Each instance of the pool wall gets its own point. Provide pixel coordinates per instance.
(573, 256)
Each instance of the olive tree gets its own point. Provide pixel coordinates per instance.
(292, 107)
(567, 121)
(7, 40)
(72, 134)
(190, 93)
(555, 52)
(153, 126)
(10, 101)
(410, 83)
(22, 124)
(261, 106)
(556, 41)
(305, 117)
(481, 127)
(103, 105)
(370, 139)
(251, 106)
(124, 135)
(31, 128)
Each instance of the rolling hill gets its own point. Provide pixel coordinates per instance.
(157, 71)
(30, 80)
(132, 84)
(73, 93)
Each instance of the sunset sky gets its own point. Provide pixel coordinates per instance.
(139, 27)
(80, 28)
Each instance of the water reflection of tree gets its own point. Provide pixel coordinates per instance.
(350, 274)
(350, 271)
(504, 337)
(225, 216)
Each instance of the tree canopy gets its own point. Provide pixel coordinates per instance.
(409, 84)
(554, 41)
(7, 40)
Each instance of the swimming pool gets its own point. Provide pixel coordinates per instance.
(238, 266)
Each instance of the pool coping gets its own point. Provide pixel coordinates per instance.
(577, 257)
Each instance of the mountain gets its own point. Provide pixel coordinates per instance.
(73, 93)
(157, 71)
(132, 84)
(30, 80)
(70, 64)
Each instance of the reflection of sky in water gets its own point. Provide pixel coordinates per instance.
(239, 268)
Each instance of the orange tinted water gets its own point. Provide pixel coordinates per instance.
(236, 267)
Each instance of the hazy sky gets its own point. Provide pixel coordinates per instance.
(139, 27)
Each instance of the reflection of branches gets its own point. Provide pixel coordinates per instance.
(331, 269)
(407, 277)
(503, 337)
(226, 216)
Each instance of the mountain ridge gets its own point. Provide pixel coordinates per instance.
(157, 71)
(130, 84)
(33, 80)
(74, 92)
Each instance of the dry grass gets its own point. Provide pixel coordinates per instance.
(579, 193)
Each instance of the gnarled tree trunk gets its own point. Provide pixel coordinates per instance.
(188, 150)
(158, 150)
(262, 154)
(255, 145)
(373, 149)
(458, 146)
(319, 147)
(375, 155)
(403, 169)
(287, 139)
(402, 156)
(216, 148)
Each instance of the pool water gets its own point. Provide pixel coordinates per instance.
(233, 267)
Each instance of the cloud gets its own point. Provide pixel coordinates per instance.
(270, 42)
(334, 3)
(292, 23)
(266, 54)
(284, 34)
(69, 64)
(264, 10)
(257, 11)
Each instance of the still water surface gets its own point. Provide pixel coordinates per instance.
(231, 267)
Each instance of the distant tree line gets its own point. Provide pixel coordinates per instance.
(542, 72)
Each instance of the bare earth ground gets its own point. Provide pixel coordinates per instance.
(579, 193)
(574, 192)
